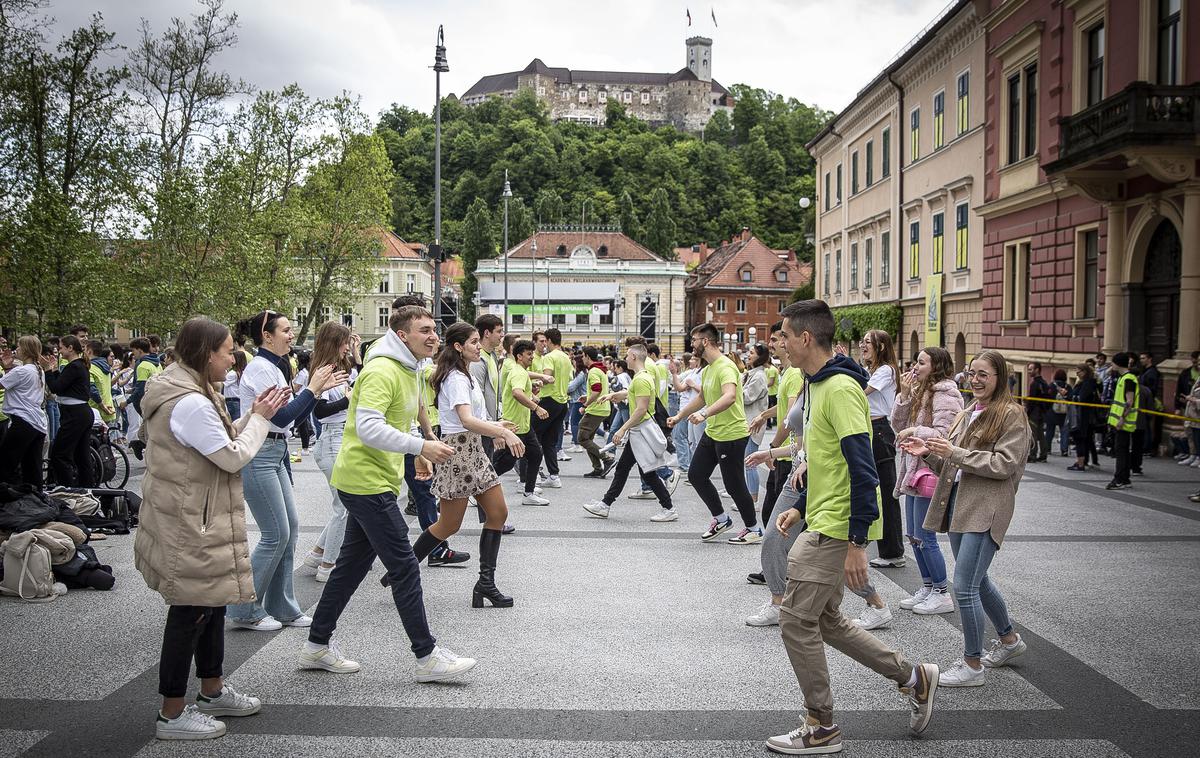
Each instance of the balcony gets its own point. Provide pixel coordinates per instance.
(1140, 115)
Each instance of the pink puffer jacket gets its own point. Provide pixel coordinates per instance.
(947, 403)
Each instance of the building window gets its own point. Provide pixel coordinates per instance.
(839, 184)
(914, 135)
(867, 255)
(1016, 282)
(384, 315)
(746, 274)
(762, 305)
(885, 258)
(348, 320)
(1168, 41)
(870, 163)
(740, 333)
(558, 319)
(541, 91)
(1014, 118)
(914, 250)
(740, 303)
(960, 237)
(1087, 273)
(602, 96)
(853, 266)
(412, 283)
(964, 100)
(939, 241)
(582, 99)
(326, 313)
(385, 285)
(781, 275)
(583, 319)
(885, 150)
(1022, 113)
(939, 120)
(518, 318)
(826, 272)
(645, 98)
(782, 305)
(606, 319)
(720, 305)
(854, 173)
(1095, 64)
(628, 96)
(828, 195)
(837, 274)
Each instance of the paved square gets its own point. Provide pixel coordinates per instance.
(627, 639)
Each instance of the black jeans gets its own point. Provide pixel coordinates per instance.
(505, 460)
(1137, 449)
(21, 454)
(1055, 423)
(731, 457)
(651, 481)
(192, 631)
(374, 527)
(71, 455)
(549, 431)
(1121, 447)
(883, 449)
(775, 482)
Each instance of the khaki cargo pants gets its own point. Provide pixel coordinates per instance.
(811, 616)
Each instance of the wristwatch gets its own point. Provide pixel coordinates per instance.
(859, 542)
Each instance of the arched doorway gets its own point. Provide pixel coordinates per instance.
(914, 347)
(1159, 293)
(960, 352)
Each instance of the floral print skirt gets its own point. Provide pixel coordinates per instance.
(468, 472)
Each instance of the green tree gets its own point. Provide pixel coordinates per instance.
(548, 208)
(660, 225)
(719, 129)
(478, 243)
(629, 218)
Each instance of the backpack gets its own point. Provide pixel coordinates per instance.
(108, 461)
(27, 572)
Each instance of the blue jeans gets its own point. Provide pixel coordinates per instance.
(375, 527)
(234, 406)
(269, 496)
(53, 419)
(930, 561)
(427, 505)
(683, 447)
(327, 447)
(620, 416)
(575, 414)
(976, 595)
(752, 482)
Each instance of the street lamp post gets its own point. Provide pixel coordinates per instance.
(533, 288)
(506, 195)
(440, 66)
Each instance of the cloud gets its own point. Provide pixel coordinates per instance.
(814, 50)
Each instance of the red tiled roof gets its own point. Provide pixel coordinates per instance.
(724, 265)
(617, 245)
(394, 247)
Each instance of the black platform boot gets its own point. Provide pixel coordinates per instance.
(489, 549)
(421, 549)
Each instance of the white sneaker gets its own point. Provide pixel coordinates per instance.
(723, 493)
(229, 703)
(665, 515)
(574, 449)
(597, 508)
(643, 495)
(998, 654)
(192, 724)
(300, 622)
(673, 481)
(888, 562)
(909, 603)
(327, 658)
(768, 615)
(551, 482)
(1189, 460)
(313, 560)
(1196, 463)
(532, 498)
(264, 624)
(323, 573)
(873, 618)
(935, 603)
(562, 455)
(962, 675)
(442, 664)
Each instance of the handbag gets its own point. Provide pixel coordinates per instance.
(27, 572)
(922, 480)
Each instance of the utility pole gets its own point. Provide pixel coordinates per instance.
(506, 195)
(435, 250)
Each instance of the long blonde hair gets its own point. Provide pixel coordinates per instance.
(327, 347)
(941, 367)
(29, 352)
(994, 420)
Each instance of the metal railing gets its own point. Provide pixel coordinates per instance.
(1139, 114)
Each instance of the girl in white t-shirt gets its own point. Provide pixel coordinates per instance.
(469, 472)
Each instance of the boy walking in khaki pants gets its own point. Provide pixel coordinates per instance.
(841, 507)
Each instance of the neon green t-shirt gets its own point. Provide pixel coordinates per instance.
(430, 396)
(493, 370)
(772, 380)
(729, 424)
(838, 409)
(791, 381)
(597, 376)
(515, 377)
(558, 362)
(145, 370)
(662, 378)
(386, 386)
(643, 385)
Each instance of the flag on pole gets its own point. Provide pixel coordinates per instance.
(714, 16)
(689, 16)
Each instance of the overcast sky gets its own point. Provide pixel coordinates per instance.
(818, 51)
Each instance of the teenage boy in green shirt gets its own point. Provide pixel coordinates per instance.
(517, 401)
(595, 412)
(556, 367)
(841, 505)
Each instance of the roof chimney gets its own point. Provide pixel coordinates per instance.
(745, 234)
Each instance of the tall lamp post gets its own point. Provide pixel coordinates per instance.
(533, 287)
(440, 66)
(507, 194)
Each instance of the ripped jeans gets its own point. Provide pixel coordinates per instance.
(930, 560)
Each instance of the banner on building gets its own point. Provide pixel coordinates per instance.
(933, 310)
(556, 309)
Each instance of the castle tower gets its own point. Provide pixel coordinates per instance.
(699, 57)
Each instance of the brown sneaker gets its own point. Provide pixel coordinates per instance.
(810, 738)
(920, 696)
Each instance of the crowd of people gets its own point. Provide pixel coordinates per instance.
(820, 453)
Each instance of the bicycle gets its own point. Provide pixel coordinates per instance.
(110, 463)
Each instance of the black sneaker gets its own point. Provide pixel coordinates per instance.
(1117, 486)
(715, 528)
(609, 464)
(410, 510)
(1137, 473)
(448, 558)
(756, 578)
(137, 447)
(593, 474)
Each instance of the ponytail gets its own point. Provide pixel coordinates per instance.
(252, 328)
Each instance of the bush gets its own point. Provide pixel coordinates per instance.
(853, 321)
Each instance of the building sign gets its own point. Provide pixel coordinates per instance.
(933, 309)
(548, 309)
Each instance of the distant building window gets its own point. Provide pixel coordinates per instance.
(1016, 282)
(720, 305)
(348, 320)
(518, 318)
(1021, 112)
(837, 272)
(960, 237)
(964, 100)
(1091, 268)
(854, 173)
(781, 275)
(914, 135)
(914, 250)
(645, 98)
(839, 183)
(782, 305)
(602, 97)
(558, 319)
(828, 196)
(885, 258)
(412, 283)
(762, 305)
(825, 271)
(746, 274)
(582, 99)
(583, 319)
(1095, 64)
(541, 91)
(628, 96)
(741, 305)
(870, 156)
(939, 241)
(885, 149)
(1031, 110)
(384, 315)
(606, 319)
(867, 262)
(1169, 52)
(939, 120)
(853, 266)
(385, 285)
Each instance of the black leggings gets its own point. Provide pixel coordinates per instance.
(621, 474)
(731, 457)
(778, 477)
(533, 452)
(883, 448)
(21, 454)
(549, 431)
(70, 455)
(192, 631)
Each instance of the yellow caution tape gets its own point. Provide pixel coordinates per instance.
(1103, 406)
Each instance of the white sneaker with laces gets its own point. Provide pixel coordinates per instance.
(574, 449)
(551, 482)
(747, 537)
(909, 603)
(532, 498)
(962, 675)
(873, 618)
(192, 724)
(229, 703)
(1189, 460)
(264, 624)
(643, 495)
(999, 654)
(327, 658)
(935, 603)
(323, 573)
(888, 562)
(313, 560)
(562, 455)
(673, 481)
(767, 615)
(442, 664)
(301, 622)
(665, 515)
(597, 508)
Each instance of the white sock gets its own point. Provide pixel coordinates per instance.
(424, 659)
(312, 647)
(912, 680)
